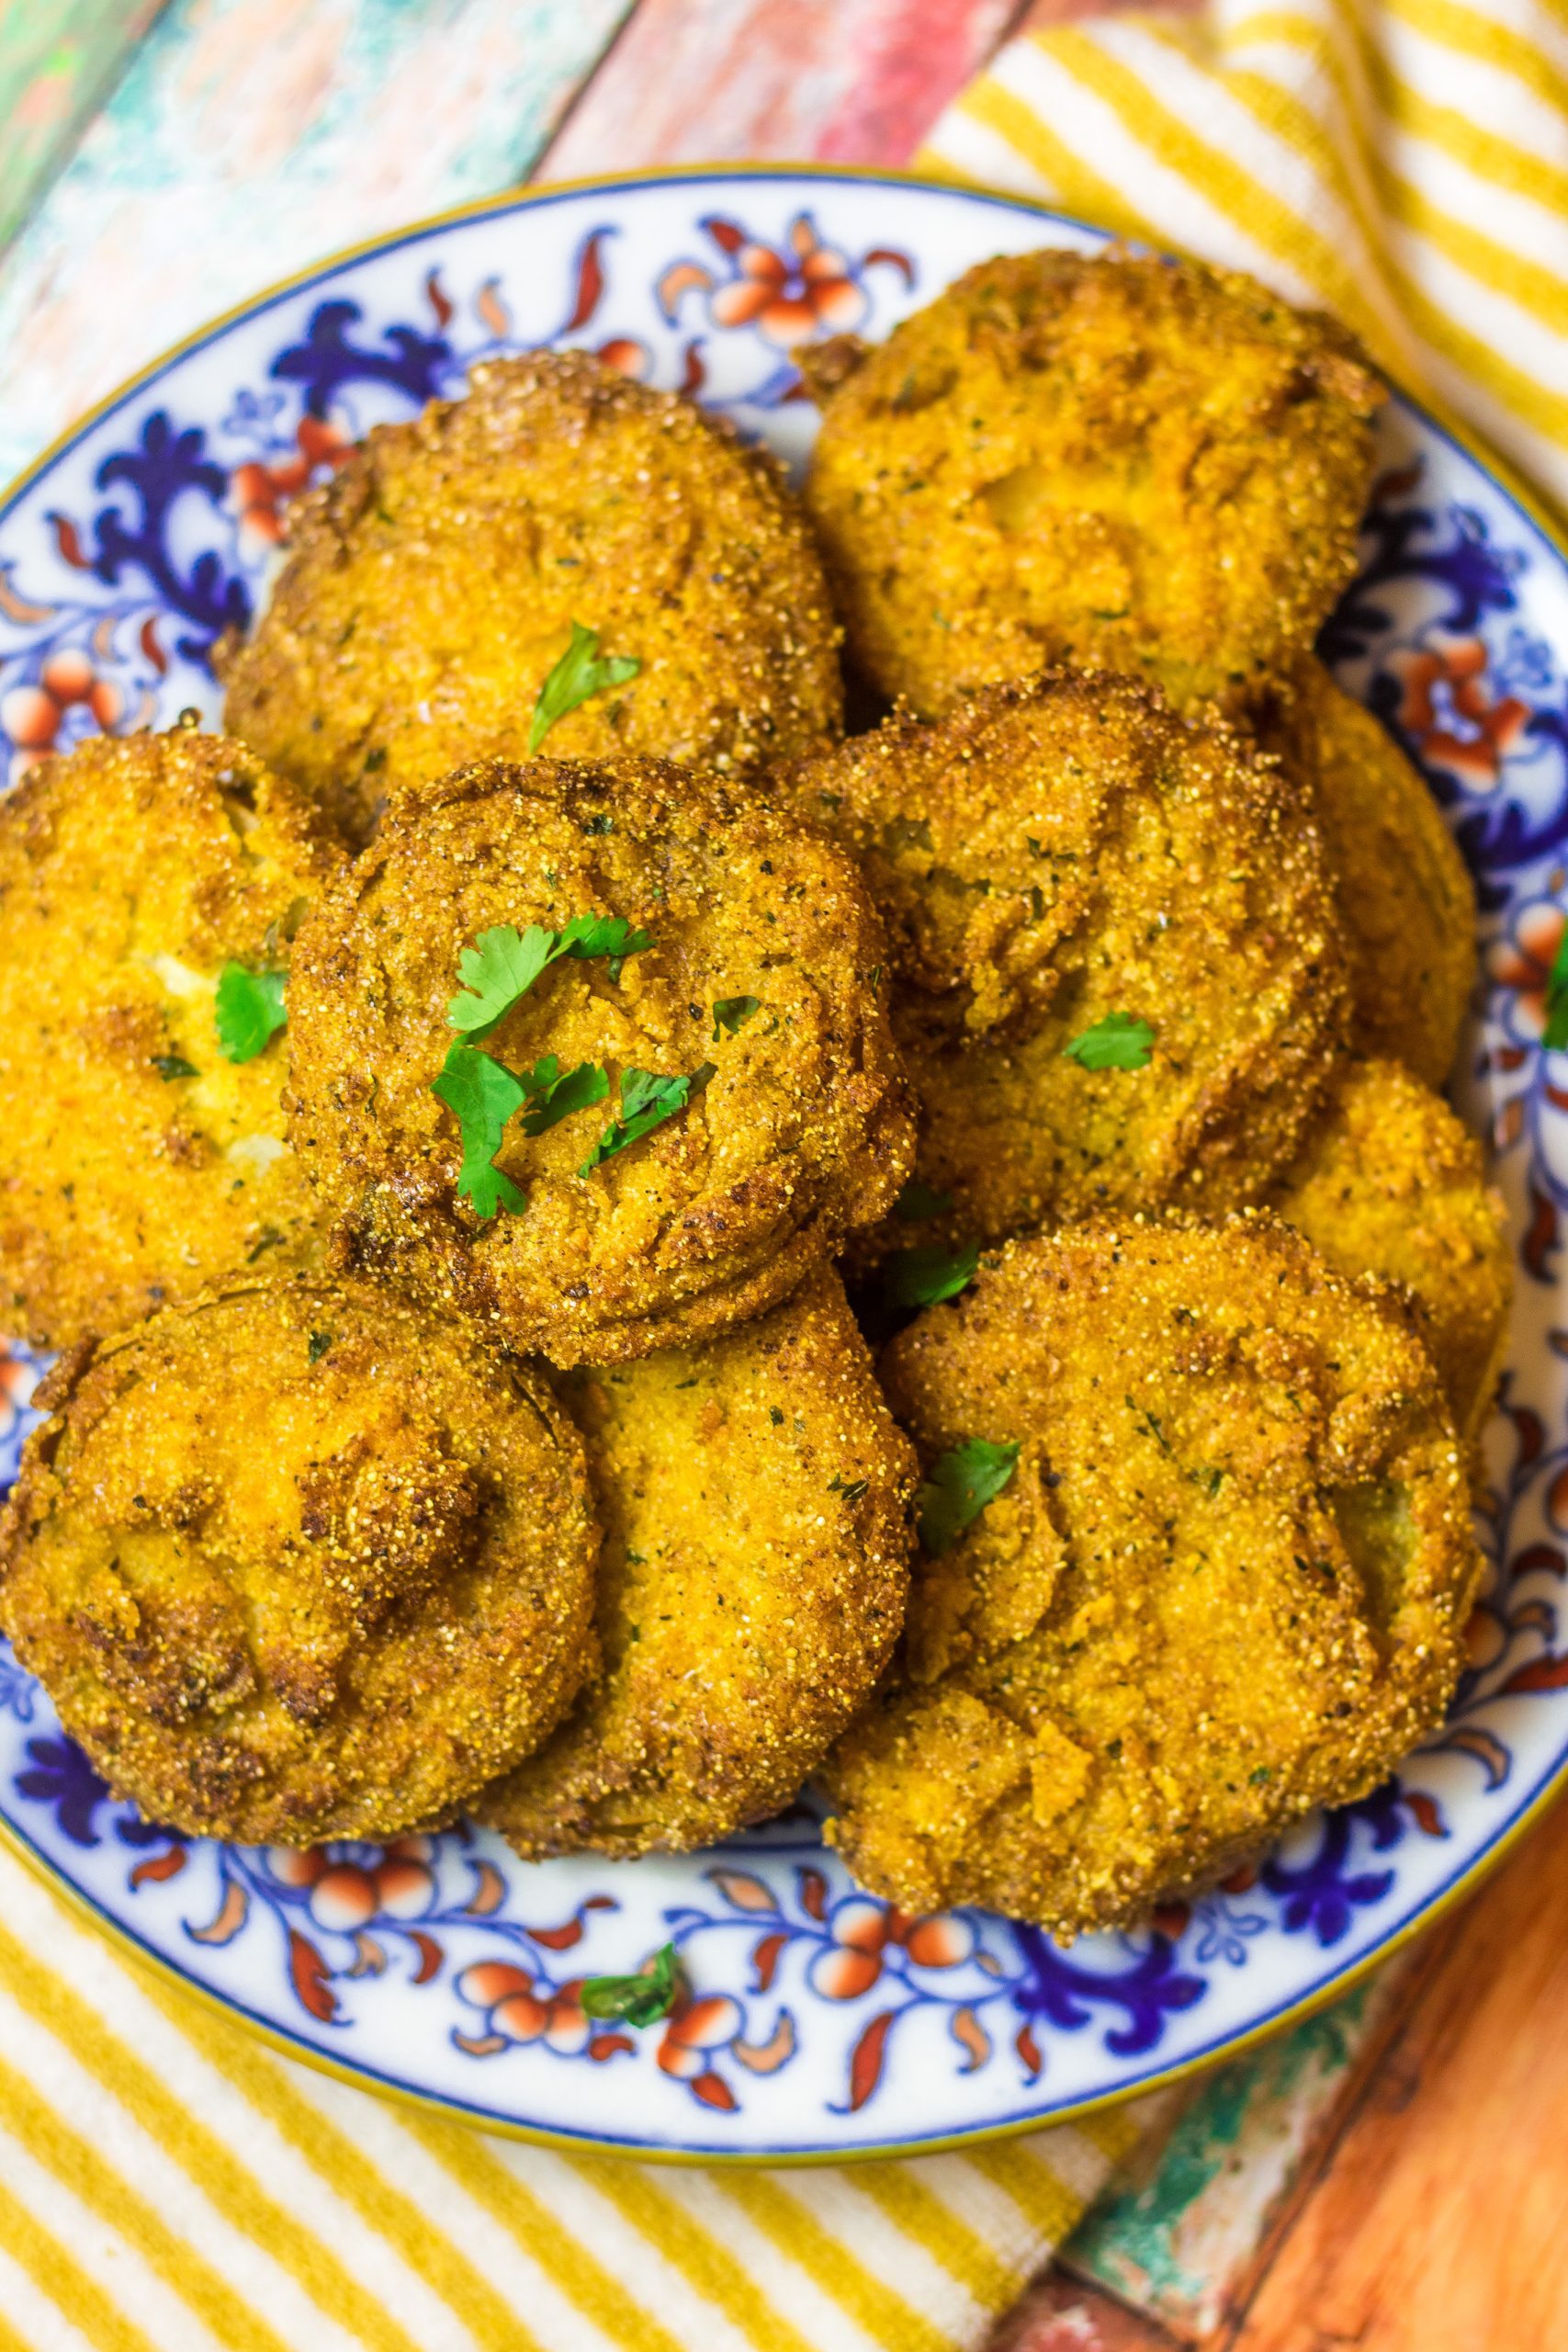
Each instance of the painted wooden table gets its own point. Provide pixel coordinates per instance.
(1393, 2174)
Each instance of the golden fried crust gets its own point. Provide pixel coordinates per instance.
(1052, 853)
(754, 1493)
(432, 584)
(1405, 891)
(1391, 1183)
(1226, 1582)
(802, 1133)
(295, 1564)
(131, 871)
(1151, 465)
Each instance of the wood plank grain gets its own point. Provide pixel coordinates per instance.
(247, 137)
(1062, 2314)
(1439, 2221)
(58, 59)
(1184, 2242)
(704, 81)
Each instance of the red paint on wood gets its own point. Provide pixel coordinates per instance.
(703, 81)
(1060, 2315)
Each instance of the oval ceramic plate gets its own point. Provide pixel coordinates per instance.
(820, 2024)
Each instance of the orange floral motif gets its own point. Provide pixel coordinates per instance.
(1446, 711)
(518, 2007)
(260, 492)
(32, 715)
(348, 1895)
(16, 1380)
(863, 1931)
(788, 296)
(1522, 960)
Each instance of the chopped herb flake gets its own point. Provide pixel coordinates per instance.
(960, 1484)
(849, 1490)
(1555, 1036)
(320, 1342)
(647, 1101)
(1119, 1041)
(248, 1011)
(917, 1201)
(577, 676)
(1148, 1423)
(925, 1277)
(732, 1013)
(174, 1066)
(635, 2000)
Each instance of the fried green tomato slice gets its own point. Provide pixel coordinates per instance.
(1391, 1183)
(1225, 1579)
(1055, 861)
(433, 584)
(749, 1012)
(754, 1493)
(1406, 893)
(293, 1563)
(139, 1159)
(1140, 463)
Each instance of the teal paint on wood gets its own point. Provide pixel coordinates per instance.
(1177, 2244)
(246, 139)
(58, 58)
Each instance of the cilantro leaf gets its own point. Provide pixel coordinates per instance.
(962, 1482)
(610, 935)
(925, 1277)
(483, 1095)
(732, 1013)
(248, 1010)
(551, 1093)
(1555, 1036)
(576, 676)
(504, 963)
(917, 1201)
(501, 966)
(170, 1066)
(635, 2000)
(647, 1101)
(1119, 1041)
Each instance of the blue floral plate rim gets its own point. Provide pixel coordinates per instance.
(1471, 1865)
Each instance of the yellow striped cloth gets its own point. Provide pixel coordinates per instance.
(167, 2184)
(1403, 161)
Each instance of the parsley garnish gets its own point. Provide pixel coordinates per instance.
(925, 1277)
(1555, 1036)
(1119, 1041)
(249, 1012)
(732, 1013)
(647, 1101)
(502, 965)
(483, 1094)
(917, 1201)
(578, 675)
(552, 1094)
(960, 1484)
(635, 2000)
(174, 1066)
